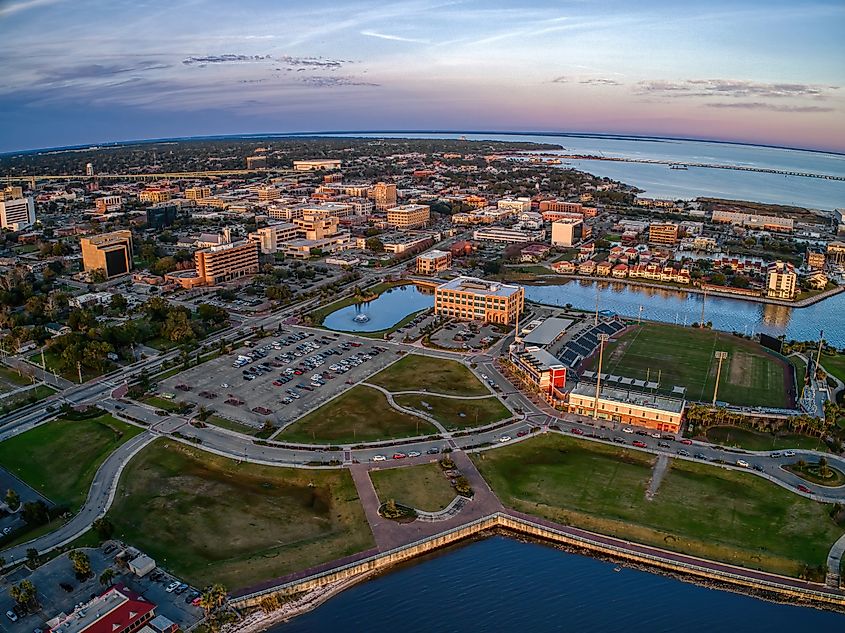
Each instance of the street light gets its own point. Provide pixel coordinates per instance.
(602, 340)
(720, 356)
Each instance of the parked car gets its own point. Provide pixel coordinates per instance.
(639, 444)
(505, 438)
(379, 458)
(172, 587)
(686, 441)
(11, 615)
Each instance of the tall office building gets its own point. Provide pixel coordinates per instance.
(408, 216)
(89, 169)
(109, 252)
(16, 210)
(227, 262)
(384, 195)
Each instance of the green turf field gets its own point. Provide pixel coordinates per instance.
(685, 356)
(425, 373)
(422, 487)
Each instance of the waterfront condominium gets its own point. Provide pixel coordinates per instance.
(109, 252)
(781, 281)
(226, 262)
(473, 299)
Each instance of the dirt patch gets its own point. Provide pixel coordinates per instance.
(740, 369)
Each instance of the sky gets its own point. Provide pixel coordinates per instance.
(759, 71)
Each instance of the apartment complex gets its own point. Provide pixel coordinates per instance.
(314, 165)
(625, 406)
(663, 233)
(433, 262)
(109, 252)
(108, 204)
(227, 262)
(16, 210)
(474, 299)
(520, 205)
(567, 232)
(781, 281)
(408, 216)
(754, 221)
(561, 206)
(154, 195)
(384, 195)
(815, 260)
(197, 193)
(836, 253)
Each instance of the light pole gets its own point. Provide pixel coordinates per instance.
(640, 317)
(720, 356)
(602, 340)
(703, 301)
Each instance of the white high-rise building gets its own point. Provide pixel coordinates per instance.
(16, 210)
(89, 169)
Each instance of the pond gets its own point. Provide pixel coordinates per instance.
(383, 312)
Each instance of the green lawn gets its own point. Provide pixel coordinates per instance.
(425, 373)
(226, 423)
(161, 403)
(834, 365)
(10, 379)
(755, 441)
(23, 398)
(358, 415)
(685, 356)
(422, 487)
(699, 509)
(211, 519)
(457, 414)
(60, 458)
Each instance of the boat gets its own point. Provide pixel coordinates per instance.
(678, 166)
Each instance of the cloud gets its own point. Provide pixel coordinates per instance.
(314, 62)
(224, 59)
(394, 38)
(734, 88)
(99, 71)
(24, 5)
(774, 107)
(560, 80)
(587, 81)
(333, 81)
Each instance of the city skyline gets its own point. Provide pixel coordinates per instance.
(78, 73)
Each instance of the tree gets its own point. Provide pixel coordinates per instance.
(35, 513)
(824, 469)
(107, 577)
(213, 598)
(375, 244)
(177, 327)
(98, 276)
(24, 594)
(13, 499)
(103, 528)
(32, 558)
(81, 563)
(118, 303)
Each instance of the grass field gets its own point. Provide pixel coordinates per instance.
(699, 509)
(60, 458)
(685, 356)
(457, 414)
(422, 487)
(424, 373)
(10, 379)
(834, 365)
(23, 398)
(226, 423)
(211, 519)
(754, 441)
(360, 414)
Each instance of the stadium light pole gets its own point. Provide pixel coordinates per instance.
(720, 356)
(703, 301)
(602, 340)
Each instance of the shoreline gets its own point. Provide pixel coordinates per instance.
(802, 303)
(525, 528)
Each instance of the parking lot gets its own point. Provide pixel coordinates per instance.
(280, 377)
(60, 591)
(466, 336)
(10, 522)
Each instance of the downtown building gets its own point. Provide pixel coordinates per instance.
(384, 195)
(408, 216)
(473, 299)
(628, 406)
(226, 262)
(433, 261)
(17, 211)
(109, 252)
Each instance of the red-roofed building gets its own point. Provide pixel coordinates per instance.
(118, 610)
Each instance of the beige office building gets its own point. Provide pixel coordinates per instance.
(109, 252)
(227, 262)
(567, 232)
(197, 193)
(384, 195)
(17, 211)
(473, 299)
(408, 216)
(433, 262)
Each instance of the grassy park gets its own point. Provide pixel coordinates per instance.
(23, 398)
(756, 441)
(699, 509)
(425, 373)
(422, 487)
(357, 415)
(59, 458)
(455, 413)
(212, 519)
(751, 376)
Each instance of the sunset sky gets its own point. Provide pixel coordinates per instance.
(76, 72)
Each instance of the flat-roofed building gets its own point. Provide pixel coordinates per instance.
(197, 193)
(227, 262)
(815, 260)
(567, 232)
(663, 233)
(384, 195)
(316, 165)
(256, 162)
(265, 194)
(781, 281)
(561, 205)
(108, 204)
(17, 211)
(754, 221)
(627, 406)
(109, 252)
(836, 253)
(154, 195)
(271, 239)
(542, 368)
(408, 216)
(433, 261)
(507, 236)
(470, 298)
(520, 205)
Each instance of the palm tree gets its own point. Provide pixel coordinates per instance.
(107, 577)
(824, 469)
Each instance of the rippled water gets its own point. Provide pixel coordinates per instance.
(383, 312)
(732, 315)
(504, 585)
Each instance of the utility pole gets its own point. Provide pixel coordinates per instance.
(597, 303)
(720, 356)
(640, 317)
(43, 362)
(703, 301)
(79, 370)
(602, 340)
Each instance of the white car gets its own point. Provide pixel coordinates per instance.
(742, 463)
(505, 438)
(789, 453)
(627, 429)
(379, 458)
(414, 454)
(171, 587)
(225, 385)
(11, 615)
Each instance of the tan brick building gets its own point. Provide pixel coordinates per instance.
(226, 262)
(109, 252)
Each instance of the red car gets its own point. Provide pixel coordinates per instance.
(803, 488)
(522, 433)
(399, 456)
(688, 442)
(639, 444)
(577, 432)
